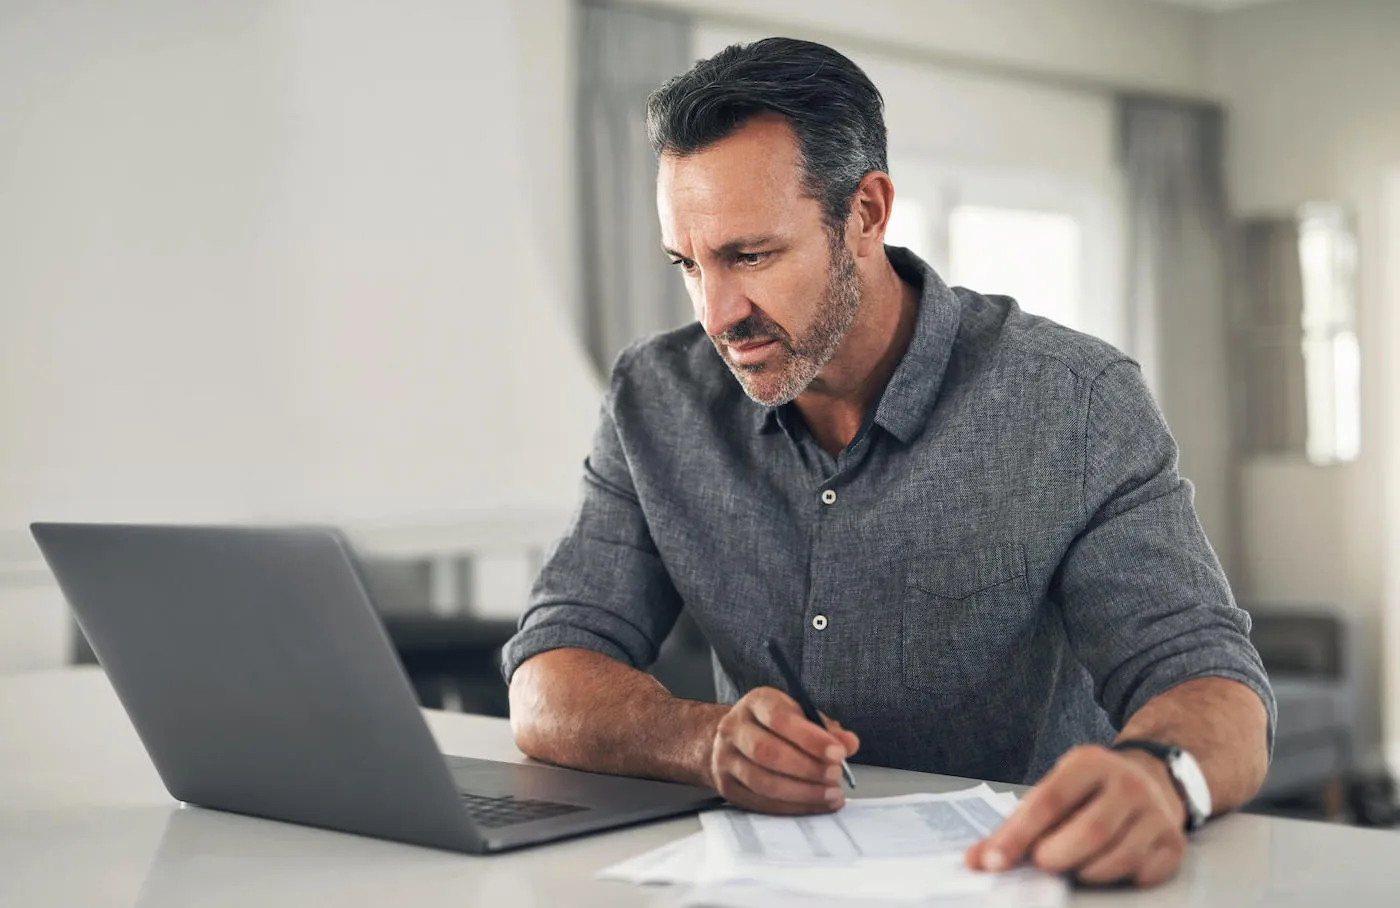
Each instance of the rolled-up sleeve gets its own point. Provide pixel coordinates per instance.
(1145, 601)
(603, 586)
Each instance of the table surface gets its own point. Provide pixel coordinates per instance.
(84, 820)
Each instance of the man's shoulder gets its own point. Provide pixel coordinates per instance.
(682, 353)
(997, 328)
(670, 368)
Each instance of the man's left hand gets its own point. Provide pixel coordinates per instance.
(1104, 816)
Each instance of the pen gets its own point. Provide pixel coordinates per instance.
(799, 693)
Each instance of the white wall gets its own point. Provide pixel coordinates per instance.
(1390, 555)
(1112, 42)
(307, 259)
(283, 259)
(1313, 92)
(210, 212)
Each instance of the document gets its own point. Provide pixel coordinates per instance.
(1015, 889)
(870, 828)
(874, 851)
(676, 863)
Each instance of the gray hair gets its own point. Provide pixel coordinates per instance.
(834, 109)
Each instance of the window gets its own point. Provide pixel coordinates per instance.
(1033, 256)
(1331, 355)
(1052, 242)
(1296, 329)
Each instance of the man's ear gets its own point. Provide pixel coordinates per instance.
(870, 210)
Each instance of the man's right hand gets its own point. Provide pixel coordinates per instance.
(768, 757)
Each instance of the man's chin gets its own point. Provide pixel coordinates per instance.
(765, 386)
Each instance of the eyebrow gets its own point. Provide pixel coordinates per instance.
(734, 246)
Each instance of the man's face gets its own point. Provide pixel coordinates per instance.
(773, 291)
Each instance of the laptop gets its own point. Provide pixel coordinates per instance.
(260, 679)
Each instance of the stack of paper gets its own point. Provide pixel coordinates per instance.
(874, 850)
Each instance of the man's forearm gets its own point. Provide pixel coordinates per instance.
(1222, 723)
(577, 708)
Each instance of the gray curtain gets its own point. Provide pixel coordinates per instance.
(1268, 327)
(630, 289)
(1180, 261)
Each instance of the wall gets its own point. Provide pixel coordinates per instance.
(1111, 43)
(194, 190)
(1390, 553)
(276, 260)
(211, 208)
(1314, 98)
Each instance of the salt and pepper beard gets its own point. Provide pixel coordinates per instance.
(799, 361)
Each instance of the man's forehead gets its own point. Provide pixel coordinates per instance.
(760, 156)
(740, 185)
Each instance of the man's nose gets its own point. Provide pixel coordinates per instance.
(722, 304)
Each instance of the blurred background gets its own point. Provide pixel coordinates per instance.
(368, 264)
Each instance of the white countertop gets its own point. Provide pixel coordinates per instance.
(84, 821)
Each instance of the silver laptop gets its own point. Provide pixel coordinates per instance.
(261, 681)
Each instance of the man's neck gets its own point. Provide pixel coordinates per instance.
(835, 404)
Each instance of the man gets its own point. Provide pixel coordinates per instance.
(963, 523)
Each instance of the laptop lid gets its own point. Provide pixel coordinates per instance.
(258, 676)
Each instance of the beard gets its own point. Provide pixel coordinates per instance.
(799, 359)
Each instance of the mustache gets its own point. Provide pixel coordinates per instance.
(753, 328)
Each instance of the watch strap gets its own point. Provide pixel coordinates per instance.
(1159, 750)
(1166, 753)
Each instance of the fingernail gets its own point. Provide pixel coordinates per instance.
(835, 753)
(833, 795)
(994, 860)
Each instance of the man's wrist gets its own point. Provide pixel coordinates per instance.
(701, 721)
(1157, 770)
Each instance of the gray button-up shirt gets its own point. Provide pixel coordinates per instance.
(1003, 564)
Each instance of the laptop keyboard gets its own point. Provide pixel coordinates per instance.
(496, 812)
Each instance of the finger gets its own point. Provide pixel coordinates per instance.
(1073, 781)
(733, 789)
(845, 736)
(780, 714)
(774, 786)
(1161, 864)
(759, 745)
(1128, 856)
(1091, 831)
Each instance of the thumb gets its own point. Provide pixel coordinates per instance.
(847, 738)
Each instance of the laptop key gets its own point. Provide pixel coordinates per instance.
(497, 812)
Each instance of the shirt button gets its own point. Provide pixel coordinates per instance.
(819, 622)
(829, 496)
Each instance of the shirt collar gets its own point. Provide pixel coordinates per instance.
(907, 400)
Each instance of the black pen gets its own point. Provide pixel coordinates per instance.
(799, 693)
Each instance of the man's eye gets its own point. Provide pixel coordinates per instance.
(752, 258)
(686, 265)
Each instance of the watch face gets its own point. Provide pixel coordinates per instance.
(1193, 783)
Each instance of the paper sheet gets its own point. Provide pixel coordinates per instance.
(866, 829)
(930, 867)
(1017, 889)
(679, 862)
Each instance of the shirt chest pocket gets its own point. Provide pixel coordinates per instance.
(965, 614)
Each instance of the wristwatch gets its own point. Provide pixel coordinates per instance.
(1186, 775)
